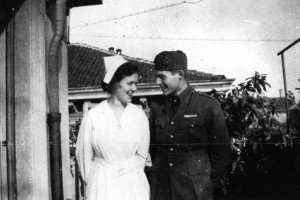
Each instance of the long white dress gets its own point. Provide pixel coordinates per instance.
(111, 155)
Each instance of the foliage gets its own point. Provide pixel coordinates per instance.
(73, 133)
(259, 141)
(291, 99)
(72, 108)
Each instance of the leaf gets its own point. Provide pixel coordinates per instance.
(235, 99)
(268, 84)
(284, 141)
(251, 89)
(241, 168)
(258, 89)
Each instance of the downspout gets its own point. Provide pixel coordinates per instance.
(10, 112)
(54, 117)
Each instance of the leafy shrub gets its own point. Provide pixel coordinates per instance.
(260, 144)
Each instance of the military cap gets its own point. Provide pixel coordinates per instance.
(170, 61)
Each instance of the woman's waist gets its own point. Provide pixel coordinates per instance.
(123, 164)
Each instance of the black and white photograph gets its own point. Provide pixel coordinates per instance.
(149, 100)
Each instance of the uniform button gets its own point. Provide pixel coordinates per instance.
(172, 123)
(192, 125)
(171, 149)
(171, 136)
(171, 164)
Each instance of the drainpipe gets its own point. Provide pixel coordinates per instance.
(10, 142)
(54, 117)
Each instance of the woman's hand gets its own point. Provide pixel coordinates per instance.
(148, 161)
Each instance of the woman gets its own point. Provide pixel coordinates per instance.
(113, 139)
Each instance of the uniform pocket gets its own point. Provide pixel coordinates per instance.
(194, 122)
(198, 165)
(199, 171)
(161, 123)
(194, 131)
(202, 186)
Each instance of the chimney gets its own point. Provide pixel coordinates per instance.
(119, 51)
(111, 49)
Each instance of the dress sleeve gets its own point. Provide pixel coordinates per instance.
(143, 149)
(84, 150)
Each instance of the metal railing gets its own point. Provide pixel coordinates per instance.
(281, 53)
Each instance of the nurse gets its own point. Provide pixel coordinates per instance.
(113, 139)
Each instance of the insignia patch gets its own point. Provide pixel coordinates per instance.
(190, 116)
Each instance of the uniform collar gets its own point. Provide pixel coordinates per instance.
(185, 96)
(184, 100)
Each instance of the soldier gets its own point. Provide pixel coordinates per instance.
(190, 147)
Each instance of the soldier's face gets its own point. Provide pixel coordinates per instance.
(168, 82)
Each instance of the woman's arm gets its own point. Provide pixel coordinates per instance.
(84, 150)
(143, 149)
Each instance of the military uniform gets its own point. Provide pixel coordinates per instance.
(190, 147)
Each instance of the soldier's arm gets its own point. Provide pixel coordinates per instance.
(152, 115)
(219, 144)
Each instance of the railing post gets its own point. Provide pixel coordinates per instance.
(288, 128)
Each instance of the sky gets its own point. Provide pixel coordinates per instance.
(230, 37)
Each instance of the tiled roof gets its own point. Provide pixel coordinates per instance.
(86, 68)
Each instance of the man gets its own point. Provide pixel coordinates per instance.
(190, 148)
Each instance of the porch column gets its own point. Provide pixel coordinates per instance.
(68, 180)
(32, 160)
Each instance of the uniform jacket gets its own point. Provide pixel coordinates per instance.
(190, 148)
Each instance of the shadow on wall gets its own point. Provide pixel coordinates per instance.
(8, 9)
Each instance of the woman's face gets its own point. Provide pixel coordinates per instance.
(126, 88)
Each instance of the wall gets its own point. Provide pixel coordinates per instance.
(3, 165)
(32, 35)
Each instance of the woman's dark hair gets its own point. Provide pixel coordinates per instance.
(127, 69)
